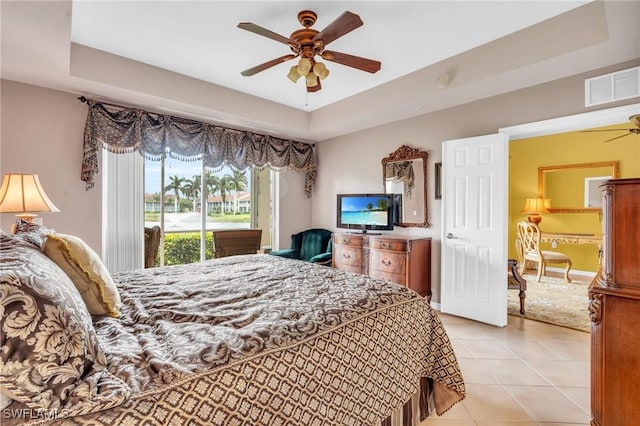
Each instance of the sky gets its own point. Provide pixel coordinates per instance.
(185, 169)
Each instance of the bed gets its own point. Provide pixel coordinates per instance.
(241, 340)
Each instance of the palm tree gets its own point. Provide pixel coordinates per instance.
(192, 189)
(176, 185)
(212, 183)
(239, 182)
(225, 186)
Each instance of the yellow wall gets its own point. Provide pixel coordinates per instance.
(526, 155)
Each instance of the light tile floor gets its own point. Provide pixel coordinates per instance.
(526, 374)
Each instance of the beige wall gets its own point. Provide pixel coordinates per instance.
(42, 133)
(351, 163)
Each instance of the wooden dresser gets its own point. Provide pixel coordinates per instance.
(406, 261)
(614, 309)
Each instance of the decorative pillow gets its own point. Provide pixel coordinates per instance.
(87, 272)
(49, 352)
(80, 263)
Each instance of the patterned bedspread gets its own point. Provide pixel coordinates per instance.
(262, 340)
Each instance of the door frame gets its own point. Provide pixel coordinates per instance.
(570, 123)
(604, 117)
(581, 121)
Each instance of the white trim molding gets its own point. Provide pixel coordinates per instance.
(605, 117)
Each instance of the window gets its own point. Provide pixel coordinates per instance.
(176, 199)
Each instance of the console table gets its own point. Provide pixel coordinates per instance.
(405, 261)
(567, 238)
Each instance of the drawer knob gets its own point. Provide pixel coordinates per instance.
(346, 255)
(385, 245)
(386, 262)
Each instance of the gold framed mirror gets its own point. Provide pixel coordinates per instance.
(404, 174)
(573, 188)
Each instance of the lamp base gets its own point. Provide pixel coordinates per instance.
(27, 217)
(535, 219)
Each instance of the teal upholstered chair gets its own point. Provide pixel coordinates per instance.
(312, 245)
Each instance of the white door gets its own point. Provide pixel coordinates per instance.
(474, 218)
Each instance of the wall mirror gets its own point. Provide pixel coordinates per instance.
(404, 174)
(573, 188)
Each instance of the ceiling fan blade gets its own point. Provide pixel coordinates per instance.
(635, 119)
(364, 64)
(269, 64)
(257, 29)
(342, 25)
(617, 137)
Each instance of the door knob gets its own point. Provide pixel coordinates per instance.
(450, 236)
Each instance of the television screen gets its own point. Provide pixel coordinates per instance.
(365, 211)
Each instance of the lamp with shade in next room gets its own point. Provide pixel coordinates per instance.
(534, 207)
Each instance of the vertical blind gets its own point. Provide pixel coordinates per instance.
(122, 211)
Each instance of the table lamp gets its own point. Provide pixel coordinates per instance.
(534, 207)
(22, 193)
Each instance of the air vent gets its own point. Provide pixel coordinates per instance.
(612, 87)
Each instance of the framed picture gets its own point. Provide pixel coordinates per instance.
(438, 181)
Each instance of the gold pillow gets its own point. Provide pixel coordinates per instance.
(87, 272)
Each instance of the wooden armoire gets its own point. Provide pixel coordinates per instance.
(614, 309)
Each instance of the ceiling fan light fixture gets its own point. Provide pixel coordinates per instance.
(312, 79)
(308, 42)
(320, 70)
(304, 66)
(294, 75)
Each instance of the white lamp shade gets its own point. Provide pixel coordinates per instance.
(22, 193)
(312, 79)
(320, 70)
(304, 66)
(294, 75)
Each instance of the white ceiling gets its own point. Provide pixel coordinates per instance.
(201, 39)
(487, 48)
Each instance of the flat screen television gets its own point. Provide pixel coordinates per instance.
(365, 212)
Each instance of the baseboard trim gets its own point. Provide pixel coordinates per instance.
(576, 272)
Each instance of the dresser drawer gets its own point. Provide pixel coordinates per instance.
(349, 268)
(393, 245)
(389, 276)
(348, 240)
(348, 256)
(384, 261)
(405, 261)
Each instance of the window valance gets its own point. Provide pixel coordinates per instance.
(121, 130)
(402, 172)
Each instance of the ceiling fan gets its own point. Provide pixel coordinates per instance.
(307, 42)
(634, 119)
